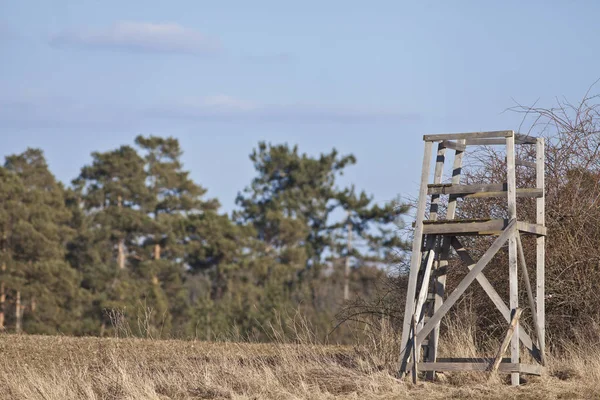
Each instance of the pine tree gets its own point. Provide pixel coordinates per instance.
(112, 191)
(290, 201)
(173, 201)
(294, 205)
(12, 212)
(43, 281)
(172, 193)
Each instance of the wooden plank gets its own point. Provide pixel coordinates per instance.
(468, 135)
(511, 180)
(530, 369)
(464, 284)
(485, 360)
(504, 345)
(534, 229)
(496, 142)
(494, 296)
(456, 173)
(521, 193)
(486, 142)
(449, 188)
(480, 190)
(532, 305)
(491, 227)
(414, 351)
(454, 145)
(459, 221)
(424, 285)
(415, 262)
(506, 368)
(541, 245)
(525, 139)
(437, 179)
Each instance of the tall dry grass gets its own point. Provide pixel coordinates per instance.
(49, 368)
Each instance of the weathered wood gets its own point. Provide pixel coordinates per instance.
(519, 139)
(467, 280)
(414, 351)
(457, 227)
(504, 345)
(532, 305)
(415, 262)
(437, 179)
(486, 142)
(507, 368)
(424, 285)
(481, 226)
(440, 278)
(521, 193)
(540, 246)
(513, 283)
(480, 190)
(525, 139)
(454, 145)
(456, 173)
(534, 229)
(440, 235)
(469, 135)
(494, 297)
(450, 188)
(511, 180)
(486, 360)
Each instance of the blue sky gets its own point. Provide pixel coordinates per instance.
(368, 78)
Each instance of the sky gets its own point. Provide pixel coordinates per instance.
(366, 78)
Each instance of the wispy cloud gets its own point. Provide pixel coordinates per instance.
(139, 37)
(40, 110)
(234, 109)
(26, 110)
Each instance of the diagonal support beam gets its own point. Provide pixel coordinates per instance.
(424, 285)
(495, 297)
(538, 331)
(471, 276)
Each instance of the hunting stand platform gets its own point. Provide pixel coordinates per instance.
(426, 303)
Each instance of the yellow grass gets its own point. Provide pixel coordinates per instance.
(53, 368)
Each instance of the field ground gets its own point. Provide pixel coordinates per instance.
(59, 368)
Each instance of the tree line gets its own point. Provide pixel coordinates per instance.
(134, 237)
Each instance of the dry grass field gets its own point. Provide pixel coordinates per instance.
(59, 368)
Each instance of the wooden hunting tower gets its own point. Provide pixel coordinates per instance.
(434, 239)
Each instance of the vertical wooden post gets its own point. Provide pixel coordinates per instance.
(437, 178)
(415, 262)
(512, 250)
(540, 246)
(414, 351)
